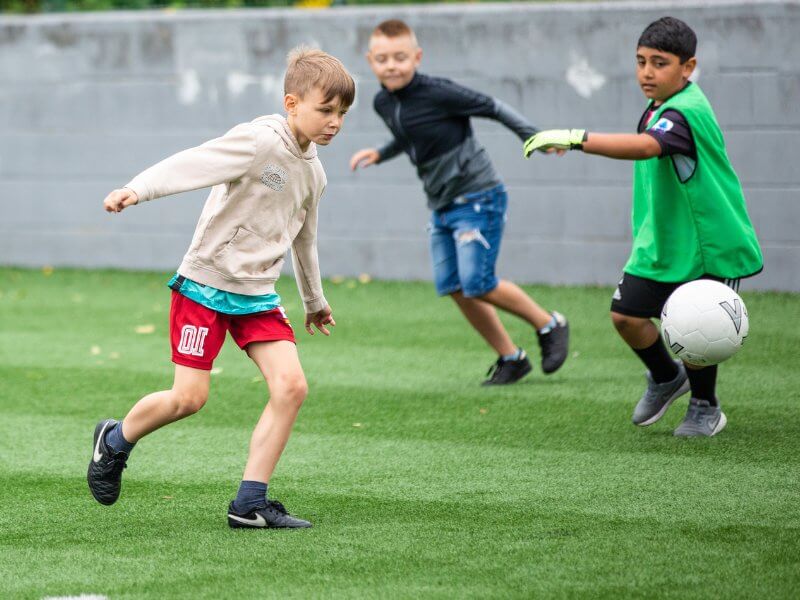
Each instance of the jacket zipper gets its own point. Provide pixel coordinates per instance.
(412, 152)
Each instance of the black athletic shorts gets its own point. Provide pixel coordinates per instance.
(644, 298)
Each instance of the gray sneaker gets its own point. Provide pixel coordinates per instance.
(701, 419)
(658, 397)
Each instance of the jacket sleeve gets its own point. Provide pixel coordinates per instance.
(220, 160)
(465, 102)
(305, 261)
(389, 150)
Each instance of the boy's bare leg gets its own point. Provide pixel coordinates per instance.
(109, 456)
(188, 395)
(637, 332)
(279, 363)
(483, 318)
(554, 341)
(509, 297)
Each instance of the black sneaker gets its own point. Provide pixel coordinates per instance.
(272, 515)
(508, 371)
(105, 468)
(554, 345)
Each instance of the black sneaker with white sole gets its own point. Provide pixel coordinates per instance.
(504, 372)
(273, 515)
(554, 344)
(105, 468)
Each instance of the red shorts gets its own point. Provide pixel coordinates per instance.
(197, 332)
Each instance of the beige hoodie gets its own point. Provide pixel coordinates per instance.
(264, 199)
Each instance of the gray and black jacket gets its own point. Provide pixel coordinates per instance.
(429, 119)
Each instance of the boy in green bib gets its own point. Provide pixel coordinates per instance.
(689, 218)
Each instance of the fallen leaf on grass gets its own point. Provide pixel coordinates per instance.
(144, 329)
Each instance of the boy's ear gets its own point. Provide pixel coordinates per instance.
(290, 103)
(689, 67)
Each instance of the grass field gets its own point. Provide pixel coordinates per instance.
(419, 482)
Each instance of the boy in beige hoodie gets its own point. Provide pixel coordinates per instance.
(267, 182)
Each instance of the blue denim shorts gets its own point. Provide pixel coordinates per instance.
(465, 242)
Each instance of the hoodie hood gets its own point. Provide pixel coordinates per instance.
(280, 125)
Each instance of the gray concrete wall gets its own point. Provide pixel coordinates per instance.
(86, 101)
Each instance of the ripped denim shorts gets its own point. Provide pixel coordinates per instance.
(465, 242)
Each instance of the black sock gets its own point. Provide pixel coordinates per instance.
(117, 442)
(251, 495)
(704, 383)
(658, 361)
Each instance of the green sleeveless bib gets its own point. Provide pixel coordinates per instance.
(682, 230)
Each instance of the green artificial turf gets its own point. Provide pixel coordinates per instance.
(419, 482)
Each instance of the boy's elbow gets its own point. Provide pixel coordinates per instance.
(650, 152)
(650, 148)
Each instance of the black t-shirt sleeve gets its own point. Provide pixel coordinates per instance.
(673, 134)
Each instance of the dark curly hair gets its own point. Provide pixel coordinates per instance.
(672, 35)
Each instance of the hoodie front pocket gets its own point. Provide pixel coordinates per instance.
(247, 255)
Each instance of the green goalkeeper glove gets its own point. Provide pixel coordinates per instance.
(559, 139)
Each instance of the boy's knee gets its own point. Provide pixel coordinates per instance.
(624, 322)
(479, 286)
(189, 401)
(292, 389)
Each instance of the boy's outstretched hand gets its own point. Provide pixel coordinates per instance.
(118, 200)
(320, 319)
(554, 139)
(364, 158)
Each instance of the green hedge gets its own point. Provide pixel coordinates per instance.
(39, 6)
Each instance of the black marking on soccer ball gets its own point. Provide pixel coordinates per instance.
(735, 312)
(674, 346)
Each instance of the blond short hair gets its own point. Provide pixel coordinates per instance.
(393, 28)
(309, 68)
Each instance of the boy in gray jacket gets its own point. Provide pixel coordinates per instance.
(429, 118)
(267, 182)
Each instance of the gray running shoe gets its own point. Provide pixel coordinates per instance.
(701, 419)
(273, 514)
(658, 397)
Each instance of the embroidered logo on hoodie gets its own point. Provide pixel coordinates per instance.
(274, 177)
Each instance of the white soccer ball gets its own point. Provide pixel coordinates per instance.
(704, 322)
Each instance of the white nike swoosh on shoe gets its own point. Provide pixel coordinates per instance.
(259, 521)
(97, 454)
